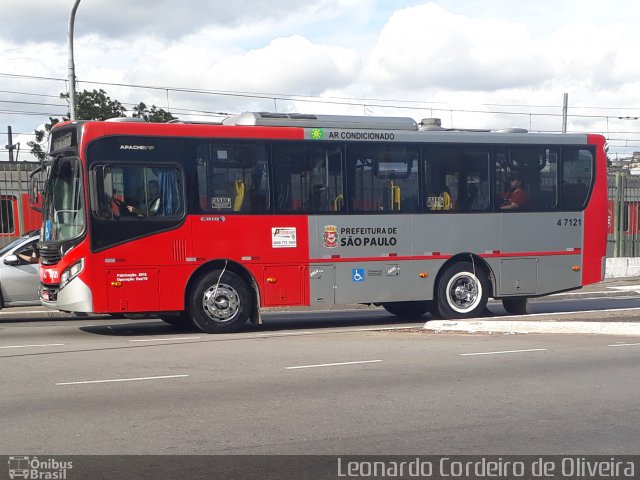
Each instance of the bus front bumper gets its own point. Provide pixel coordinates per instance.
(74, 297)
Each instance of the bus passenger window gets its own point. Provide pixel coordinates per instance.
(457, 179)
(308, 178)
(537, 170)
(577, 171)
(6, 215)
(233, 178)
(383, 178)
(138, 192)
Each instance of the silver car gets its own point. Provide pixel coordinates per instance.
(20, 272)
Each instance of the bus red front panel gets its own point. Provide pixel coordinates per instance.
(595, 218)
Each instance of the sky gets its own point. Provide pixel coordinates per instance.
(486, 64)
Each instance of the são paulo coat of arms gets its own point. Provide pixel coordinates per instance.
(330, 236)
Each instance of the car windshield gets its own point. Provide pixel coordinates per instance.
(63, 213)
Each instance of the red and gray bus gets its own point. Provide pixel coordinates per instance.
(206, 224)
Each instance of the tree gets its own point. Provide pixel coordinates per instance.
(96, 105)
(153, 114)
(38, 148)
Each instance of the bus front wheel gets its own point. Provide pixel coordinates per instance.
(407, 309)
(220, 302)
(462, 291)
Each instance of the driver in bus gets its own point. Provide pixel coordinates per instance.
(515, 198)
(148, 207)
(152, 203)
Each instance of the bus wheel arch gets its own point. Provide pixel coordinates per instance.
(235, 277)
(464, 270)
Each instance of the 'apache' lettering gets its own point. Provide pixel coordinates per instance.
(137, 147)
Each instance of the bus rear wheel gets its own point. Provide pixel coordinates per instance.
(516, 306)
(462, 291)
(220, 302)
(407, 309)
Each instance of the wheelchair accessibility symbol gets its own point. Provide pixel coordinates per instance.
(358, 274)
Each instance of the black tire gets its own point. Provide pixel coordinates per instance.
(461, 293)
(516, 305)
(433, 309)
(228, 311)
(182, 321)
(407, 309)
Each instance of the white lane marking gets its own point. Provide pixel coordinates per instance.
(28, 346)
(122, 380)
(624, 345)
(332, 364)
(504, 351)
(164, 339)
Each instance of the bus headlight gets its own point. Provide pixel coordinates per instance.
(72, 272)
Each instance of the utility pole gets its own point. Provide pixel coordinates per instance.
(11, 146)
(72, 68)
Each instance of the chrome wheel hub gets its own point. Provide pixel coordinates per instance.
(464, 292)
(221, 302)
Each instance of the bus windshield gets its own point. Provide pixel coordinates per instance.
(63, 212)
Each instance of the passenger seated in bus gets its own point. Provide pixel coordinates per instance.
(515, 198)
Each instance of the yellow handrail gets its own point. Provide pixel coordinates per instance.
(239, 200)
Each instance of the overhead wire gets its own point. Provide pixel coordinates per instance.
(400, 104)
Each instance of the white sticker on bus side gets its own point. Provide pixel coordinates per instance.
(283, 237)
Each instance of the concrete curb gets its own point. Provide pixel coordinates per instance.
(524, 327)
(623, 267)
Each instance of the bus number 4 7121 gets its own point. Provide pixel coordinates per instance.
(569, 222)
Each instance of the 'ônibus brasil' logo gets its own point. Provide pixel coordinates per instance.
(330, 236)
(317, 133)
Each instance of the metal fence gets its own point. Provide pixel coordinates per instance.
(16, 218)
(623, 239)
